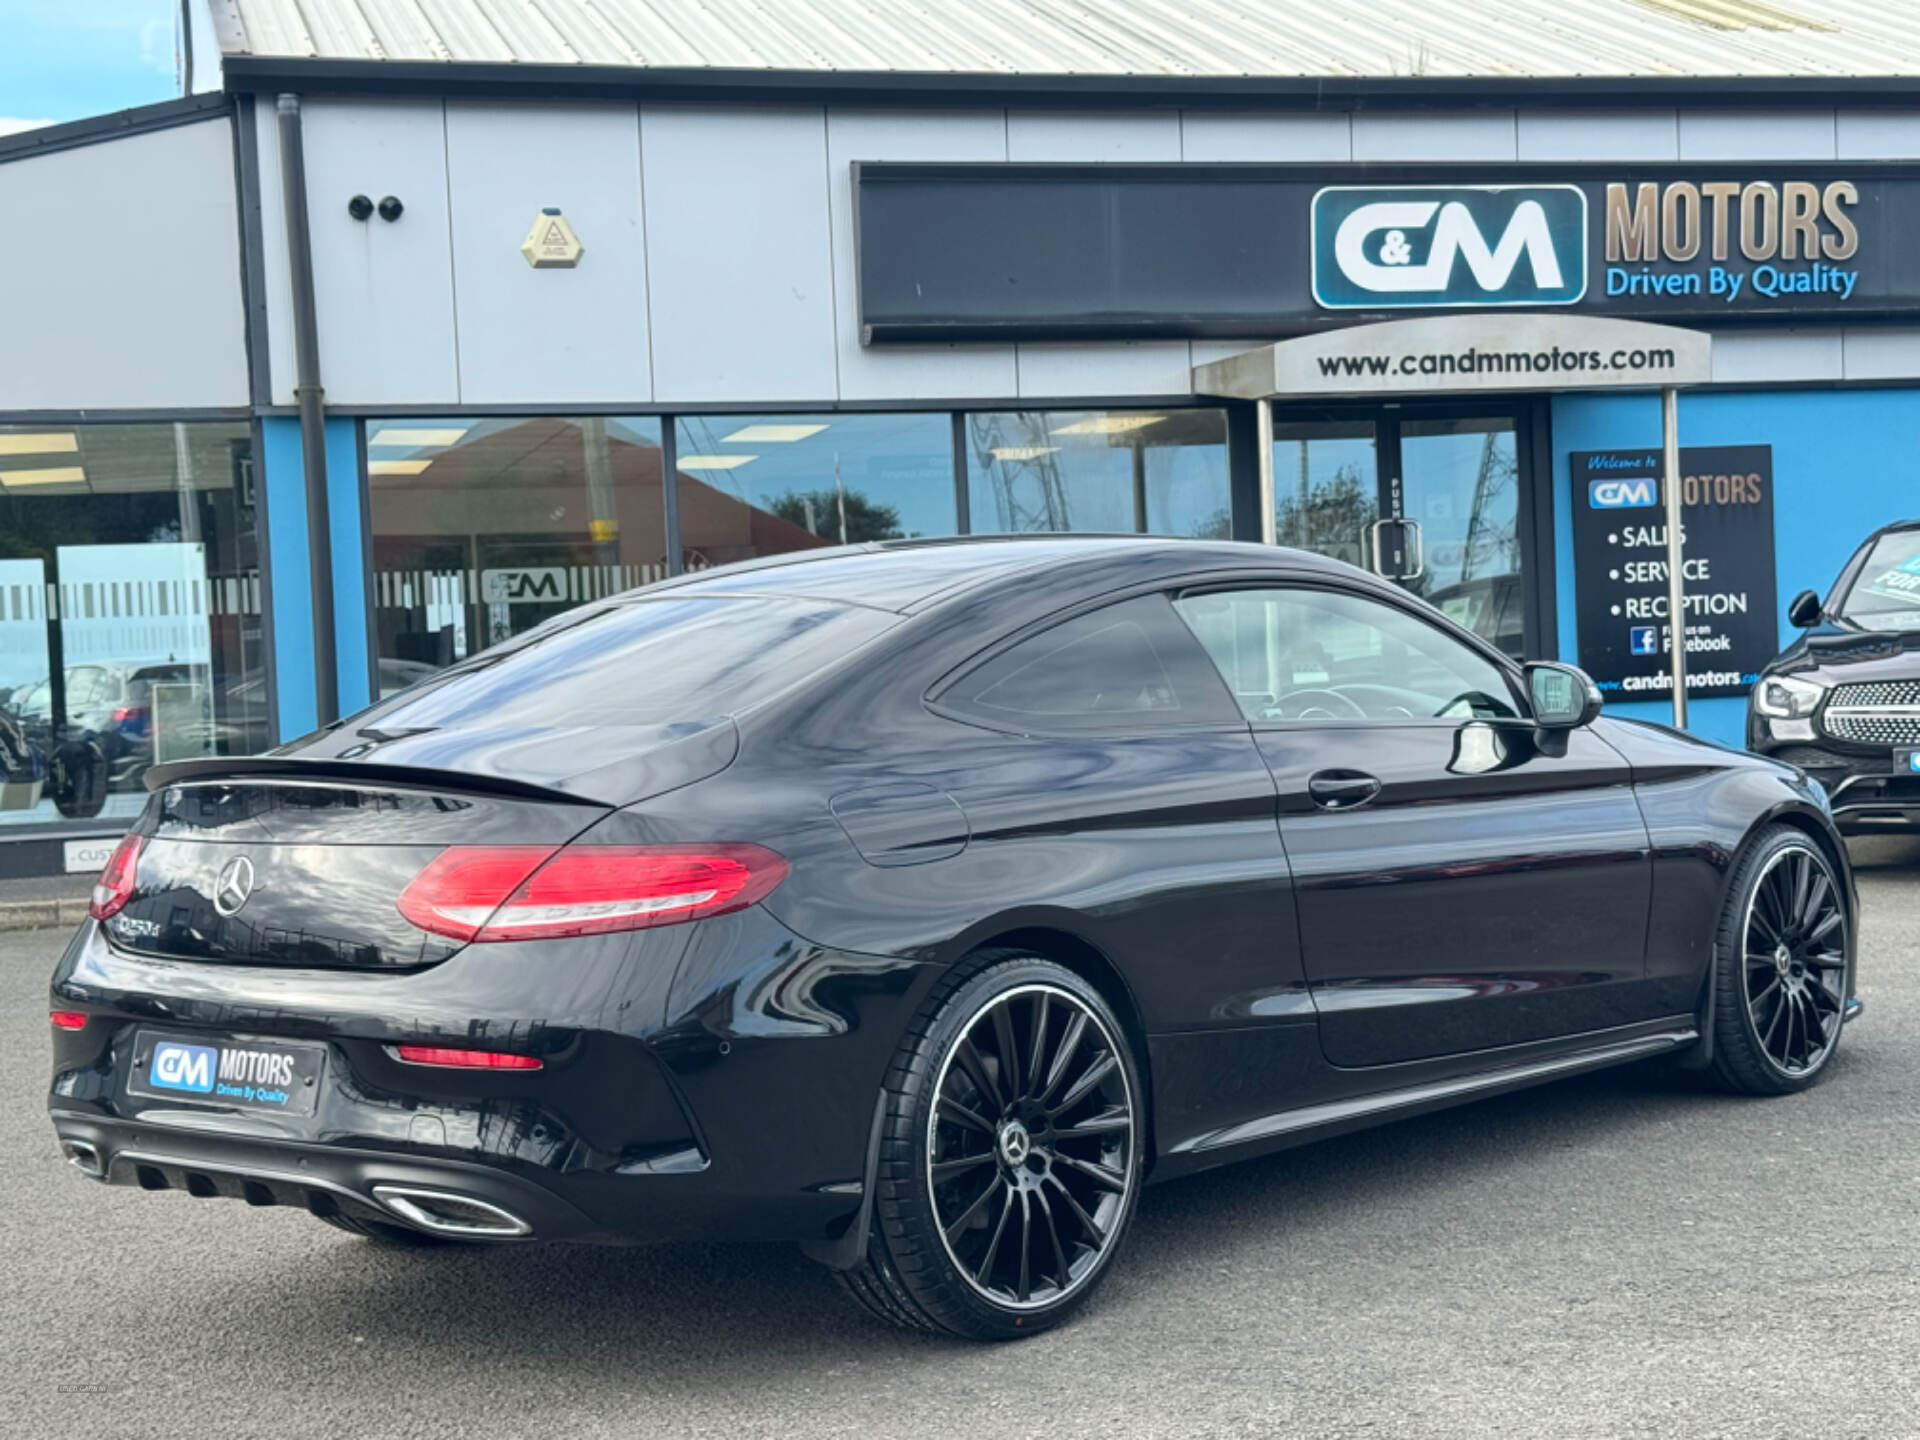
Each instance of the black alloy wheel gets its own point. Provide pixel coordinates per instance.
(1011, 1161)
(1783, 967)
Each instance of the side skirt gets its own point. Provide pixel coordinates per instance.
(1337, 1117)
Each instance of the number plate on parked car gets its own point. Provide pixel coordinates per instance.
(245, 1074)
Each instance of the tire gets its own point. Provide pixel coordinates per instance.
(399, 1237)
(77, 780)
(999, 1225)
(1781, 977)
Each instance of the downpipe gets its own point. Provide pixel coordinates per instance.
(311, 398)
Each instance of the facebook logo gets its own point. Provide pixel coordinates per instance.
(1643, 639)
(183, 1067)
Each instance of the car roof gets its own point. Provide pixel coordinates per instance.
(910, 575)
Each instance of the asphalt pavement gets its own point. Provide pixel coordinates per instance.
(1622, 1255)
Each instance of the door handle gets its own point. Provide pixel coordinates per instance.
(1341, 789)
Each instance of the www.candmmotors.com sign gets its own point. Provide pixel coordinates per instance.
(1453, 245)
(1226, 251)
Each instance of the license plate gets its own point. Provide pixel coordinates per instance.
(240, 1074)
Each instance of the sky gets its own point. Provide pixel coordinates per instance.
(67, 59)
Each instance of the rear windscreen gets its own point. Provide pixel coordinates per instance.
(640, 662)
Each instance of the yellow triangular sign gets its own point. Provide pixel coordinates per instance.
(551, 243)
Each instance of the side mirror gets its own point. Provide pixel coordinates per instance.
(1562, 696)
(1804, 609)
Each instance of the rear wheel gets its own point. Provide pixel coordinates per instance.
(1780, 992)
(1011, 1157)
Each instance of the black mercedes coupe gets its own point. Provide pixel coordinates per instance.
(920, 902)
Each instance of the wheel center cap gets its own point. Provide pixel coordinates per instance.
(1015, 1143)
(1782, 959)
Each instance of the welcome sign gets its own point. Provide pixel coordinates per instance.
(1232, 251)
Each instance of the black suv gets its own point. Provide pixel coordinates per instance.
(1843, 700)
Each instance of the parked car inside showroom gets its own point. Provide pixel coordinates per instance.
(919, 902)
(1842, 701)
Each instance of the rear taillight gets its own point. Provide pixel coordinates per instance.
(464, 1059)
(532, 892)
(127, 714)
(68, 1019)
(115, 886)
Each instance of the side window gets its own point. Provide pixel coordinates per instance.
(1128, 667)
(1324, 655)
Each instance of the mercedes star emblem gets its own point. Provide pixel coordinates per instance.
(235, 884)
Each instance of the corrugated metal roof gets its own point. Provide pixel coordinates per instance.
(1164, 38)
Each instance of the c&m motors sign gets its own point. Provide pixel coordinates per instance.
(1380, 248)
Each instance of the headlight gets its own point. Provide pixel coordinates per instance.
(1786, 697)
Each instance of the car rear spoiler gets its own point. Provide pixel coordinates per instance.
(358, 773)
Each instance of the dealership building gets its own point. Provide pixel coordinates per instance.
(417, 325)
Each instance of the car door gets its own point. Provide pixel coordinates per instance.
(1463, 882)
(1106, 775)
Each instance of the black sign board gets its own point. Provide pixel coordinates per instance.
(1620, 569)
(1256, 252)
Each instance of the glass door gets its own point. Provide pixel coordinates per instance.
(1431, 500)
(1461, 488)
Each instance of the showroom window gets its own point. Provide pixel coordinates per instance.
(130, 626)
(1148, 472)
(754, 485)
(483, 528)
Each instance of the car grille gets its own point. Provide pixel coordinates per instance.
(1877, 695)
(1878, 712)
(1864, 729)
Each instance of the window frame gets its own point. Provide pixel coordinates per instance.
(1392, 599)
(1231, 721)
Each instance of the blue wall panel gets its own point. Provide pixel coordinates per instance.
(1843, 465)
(349, 564)
(292, 585)
(292, 637)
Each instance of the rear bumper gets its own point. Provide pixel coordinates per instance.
(706, 1081)
(324, 1180)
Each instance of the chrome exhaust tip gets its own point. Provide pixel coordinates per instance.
(459, 1216)
(84, 1156)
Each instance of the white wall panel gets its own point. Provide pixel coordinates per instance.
(1877, 134)
(1756, 135)
(1743, 357)
(1480, 135)
(273, 256)
(120, 275)
(384, 290)
(739, 259)
(906, 372)
(1577, 135)
(1148, 367)
(539, 336)
(1872, 353)
(1275, 139)
(1080, 136)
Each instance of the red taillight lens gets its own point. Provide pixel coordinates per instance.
(464, 1059)
(68, 1019)
(464, 884)
(530, 892)
(115, 886)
